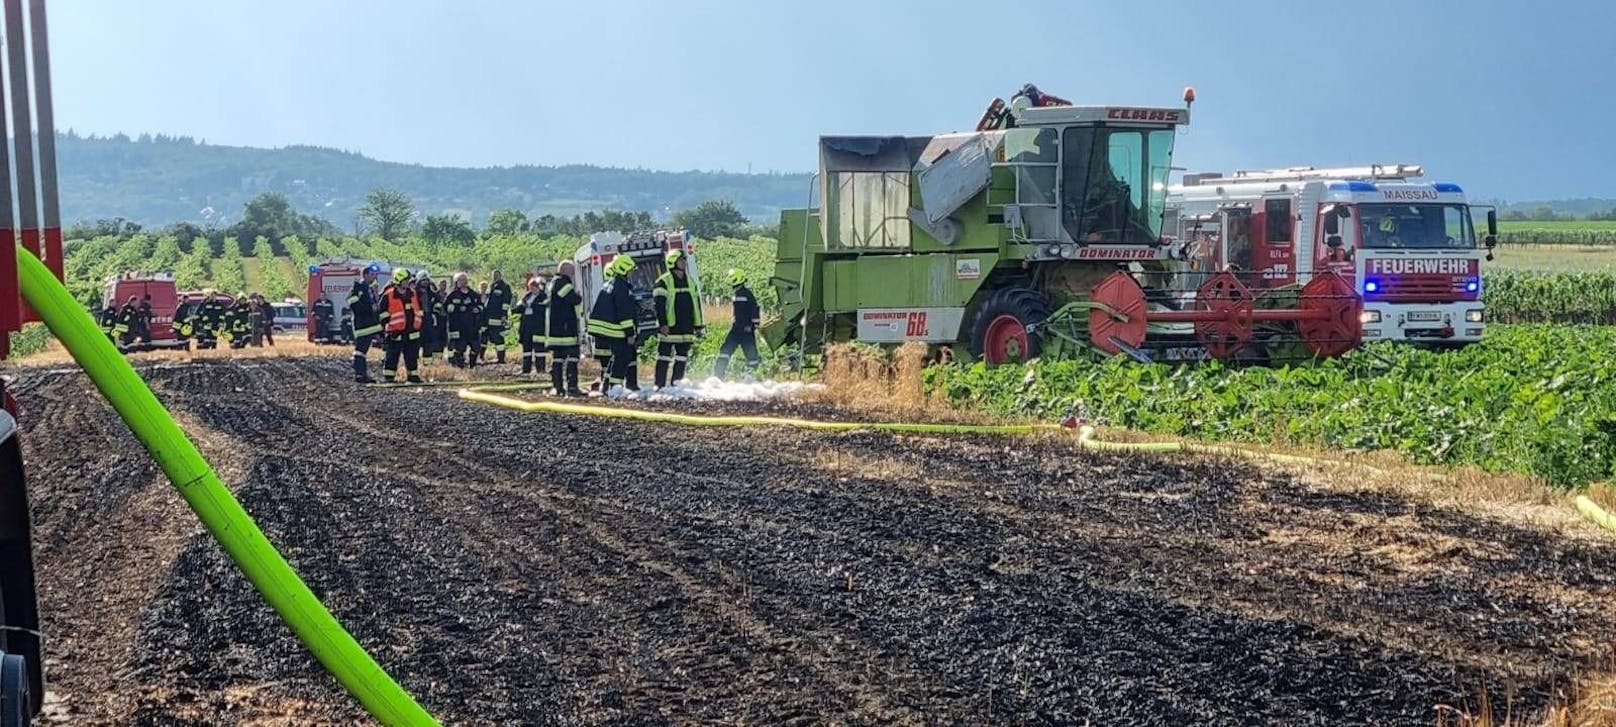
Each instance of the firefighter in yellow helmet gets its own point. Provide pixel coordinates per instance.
(612, 328)
(743, 331)
(678, 318)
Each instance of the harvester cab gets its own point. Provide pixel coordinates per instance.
(1039, 233)
(649, 250)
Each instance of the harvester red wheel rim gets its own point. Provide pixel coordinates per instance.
(1338, 329)
(1121, 293)
(1006, 340)
(1225, 295)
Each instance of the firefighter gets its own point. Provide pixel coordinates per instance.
(123, 325)
(678, 317)
(239, 321)
(496, 309)
(400, 313)
(143, 320)
(535, 312)
(209, 318)
(561, 334)
(743, 331)
(366, 320)
(612, 329)
(109, 321)
(431, 312)
(324, 311)
(462, 310)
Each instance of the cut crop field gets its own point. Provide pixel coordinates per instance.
(517, 568)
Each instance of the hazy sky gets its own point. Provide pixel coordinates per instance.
(1512, 99)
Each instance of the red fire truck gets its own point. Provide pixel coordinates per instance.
(1409, 243)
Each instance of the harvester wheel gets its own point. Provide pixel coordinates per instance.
(1004, 325)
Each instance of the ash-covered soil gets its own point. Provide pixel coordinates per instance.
(514, 568)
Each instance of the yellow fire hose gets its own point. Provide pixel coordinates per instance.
(211, 500)
(1086, 436)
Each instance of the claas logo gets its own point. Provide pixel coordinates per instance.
(1144, 115)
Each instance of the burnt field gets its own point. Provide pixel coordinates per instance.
(514, 568)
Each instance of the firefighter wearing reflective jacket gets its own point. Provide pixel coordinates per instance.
(123, 327)
(743, 332)
(611, 327)
(239, 321)
(324, 313)
(210, 320)
(561, 334)
(430, 298)
(496, 310)
(463, 312)
(366, 321)
(401, 327)
(535, 315)
(678, 319)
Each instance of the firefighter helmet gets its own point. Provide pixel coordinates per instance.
(401, 275)
(373, 268)
(735, 277)
(1388, 224)
(674, 256)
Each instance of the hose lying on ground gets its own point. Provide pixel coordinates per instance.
(224, 517)
(1086, 436)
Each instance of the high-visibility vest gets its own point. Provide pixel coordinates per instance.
(401, 313)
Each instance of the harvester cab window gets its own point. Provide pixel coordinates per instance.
(1279, 220)
(1114, 184)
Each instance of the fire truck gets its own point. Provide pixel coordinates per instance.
(336, 278)
(165, 302)
(1408, 243)
(648, 248)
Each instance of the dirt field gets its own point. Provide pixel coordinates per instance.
(509, 571)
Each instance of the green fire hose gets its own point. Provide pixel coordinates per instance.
(218, 509)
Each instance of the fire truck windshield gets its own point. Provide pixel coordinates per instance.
(1416, 226)
(1114, 184)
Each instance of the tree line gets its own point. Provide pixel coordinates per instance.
(391, 215)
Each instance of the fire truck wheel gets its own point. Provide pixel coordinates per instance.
(1004, 325)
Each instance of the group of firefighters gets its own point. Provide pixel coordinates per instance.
(246, 320)
(413, 320)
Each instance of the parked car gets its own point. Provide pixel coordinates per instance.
(290, 315)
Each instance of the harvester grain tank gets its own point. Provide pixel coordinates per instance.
(1408, 243)
(1039, 232)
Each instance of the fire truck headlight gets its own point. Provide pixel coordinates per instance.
(1474, 315)
(1369, 316)
(1371, 286)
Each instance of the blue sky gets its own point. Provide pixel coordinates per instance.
(1514, 100)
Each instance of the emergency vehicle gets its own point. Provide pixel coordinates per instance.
(118, 289)
(1409, 244)
(649, 250)
(336, 278)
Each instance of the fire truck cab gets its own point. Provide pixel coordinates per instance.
(1409, 244)
(648, 250)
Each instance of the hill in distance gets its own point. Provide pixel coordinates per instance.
(163, 179)
(157, 180)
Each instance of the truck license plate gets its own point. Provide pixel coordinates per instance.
(1425, 315)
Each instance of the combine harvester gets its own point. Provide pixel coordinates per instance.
(1409, 244)
(1040, 233)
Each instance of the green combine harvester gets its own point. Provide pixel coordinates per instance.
(1040, 233)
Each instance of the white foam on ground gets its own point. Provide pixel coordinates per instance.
(714, 389)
